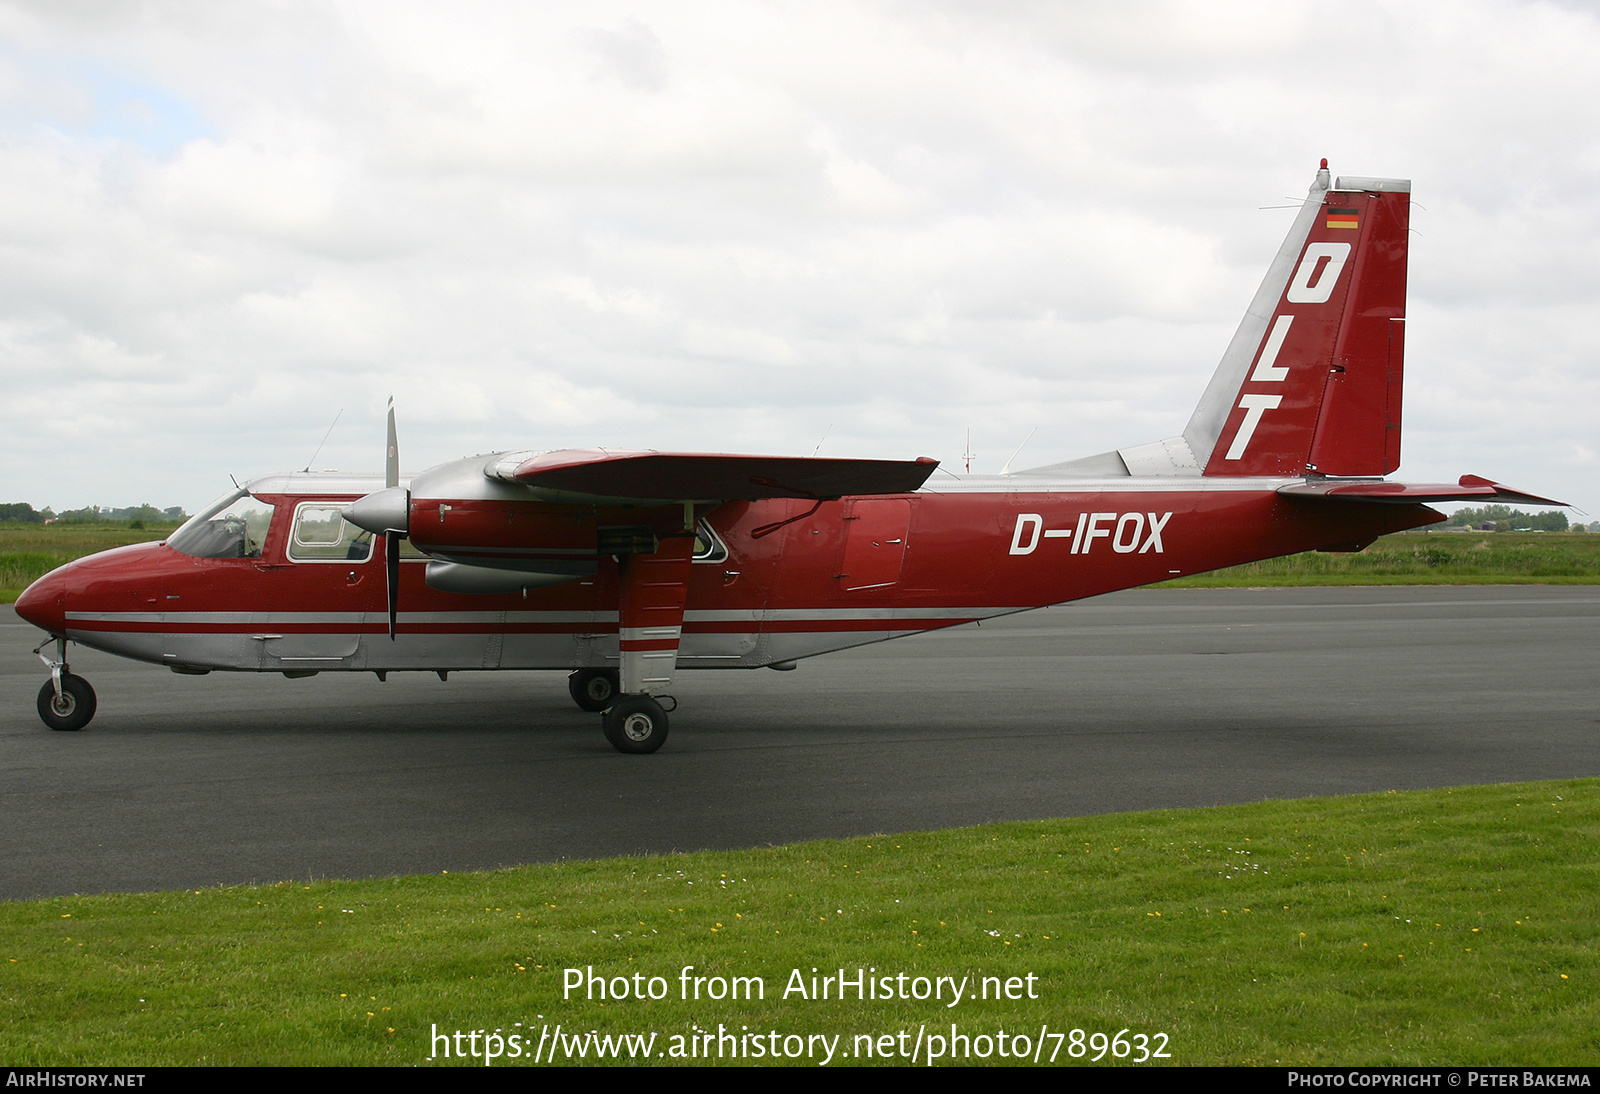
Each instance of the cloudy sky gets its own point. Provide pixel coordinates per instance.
(759, 227)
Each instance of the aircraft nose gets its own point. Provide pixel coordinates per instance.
(44, 603)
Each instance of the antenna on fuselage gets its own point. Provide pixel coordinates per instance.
(1006, 470)
(969, 453)
(324, 441)
(820, 443)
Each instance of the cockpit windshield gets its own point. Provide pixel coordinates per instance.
(235, 526)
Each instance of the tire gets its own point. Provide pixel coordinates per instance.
(75, 707)
(594, 690)
(636, 724)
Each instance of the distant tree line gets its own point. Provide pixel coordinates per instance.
(21, 512)
(1505, 519)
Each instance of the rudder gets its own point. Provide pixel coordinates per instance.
(1311, 382)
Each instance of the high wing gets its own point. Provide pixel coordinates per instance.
(589, 475)
(521, 520)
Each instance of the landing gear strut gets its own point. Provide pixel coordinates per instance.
(653, 589)
(594, 690)
(66, 701)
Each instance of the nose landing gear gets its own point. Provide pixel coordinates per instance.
(72, 708)
(66, 702)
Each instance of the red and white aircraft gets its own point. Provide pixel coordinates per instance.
(623, 567)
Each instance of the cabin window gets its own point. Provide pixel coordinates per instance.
(321, 534)
(233, 527)
(708, 546)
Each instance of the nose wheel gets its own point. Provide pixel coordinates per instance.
(72, 708)
(66, 701)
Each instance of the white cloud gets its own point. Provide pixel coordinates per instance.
(739, 227)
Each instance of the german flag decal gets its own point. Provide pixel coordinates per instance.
(1342, 218)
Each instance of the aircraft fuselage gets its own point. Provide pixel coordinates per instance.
(853, 571)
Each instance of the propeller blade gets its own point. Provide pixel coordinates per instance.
(391, 460)
(393, 499)
(391, 568)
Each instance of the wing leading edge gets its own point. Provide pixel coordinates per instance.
(635, 478)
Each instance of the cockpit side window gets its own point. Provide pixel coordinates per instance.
(321, 534)
(234, 527)
(708, 546)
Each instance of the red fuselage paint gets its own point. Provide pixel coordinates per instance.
(854, 571)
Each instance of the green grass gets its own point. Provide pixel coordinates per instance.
(29, 551)
(1427, 558)
(1451, 926)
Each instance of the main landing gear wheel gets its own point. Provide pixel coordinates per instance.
(594, 690)
(636, 724)
(75, 705)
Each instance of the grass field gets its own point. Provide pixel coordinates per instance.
(1428, 558)
(28, 551)
(1450, 926)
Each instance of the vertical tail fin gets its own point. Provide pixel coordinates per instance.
(1311, 381)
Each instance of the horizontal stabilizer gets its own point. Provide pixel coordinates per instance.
(663, 477)
(1470, 488)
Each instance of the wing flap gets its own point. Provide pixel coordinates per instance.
(1470, 488)
(667, 477)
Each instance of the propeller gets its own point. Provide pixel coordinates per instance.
(387, 512)
(391, 538)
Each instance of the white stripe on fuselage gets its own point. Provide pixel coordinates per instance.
(709, 615)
